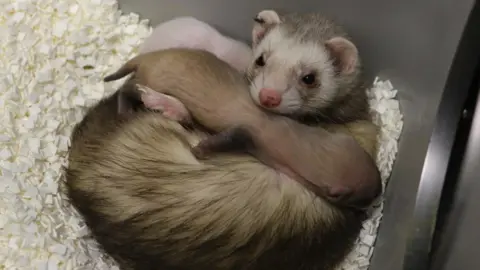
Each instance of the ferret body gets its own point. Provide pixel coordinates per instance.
(188, 32)
(151, 204)
(331, 165)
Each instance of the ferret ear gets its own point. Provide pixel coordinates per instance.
(264, 21)
(345, 54)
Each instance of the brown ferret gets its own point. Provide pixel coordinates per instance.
(332, 165)
(151, 204)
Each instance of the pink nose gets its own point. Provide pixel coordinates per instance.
(269, 98)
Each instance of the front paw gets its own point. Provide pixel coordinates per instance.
(200, 152)
(175, 115)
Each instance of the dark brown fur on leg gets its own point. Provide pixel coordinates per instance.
(235, 139)
(128, 100)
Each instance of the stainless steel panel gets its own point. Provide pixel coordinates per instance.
(457, 245)
(446, 148)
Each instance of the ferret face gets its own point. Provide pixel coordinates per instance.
(289, 77)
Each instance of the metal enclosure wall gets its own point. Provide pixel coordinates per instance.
(410, 42)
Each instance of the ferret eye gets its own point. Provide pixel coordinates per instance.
(309, 79)
(260, 61)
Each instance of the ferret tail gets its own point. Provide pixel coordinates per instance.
(127, 68)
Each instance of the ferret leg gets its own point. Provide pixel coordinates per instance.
(127, 100)
(230, 140)
(123, 104)
(170, 107)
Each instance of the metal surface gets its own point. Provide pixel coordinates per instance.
(410, 42)
(440, 148)
(457, 238)
(457, 245)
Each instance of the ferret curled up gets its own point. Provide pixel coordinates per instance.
(331, 164)
(152, 205)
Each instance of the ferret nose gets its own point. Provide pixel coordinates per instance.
(269, 97)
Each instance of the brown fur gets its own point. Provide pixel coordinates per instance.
(205, 84)
(332, 165)
(127, 98)
(152, 205)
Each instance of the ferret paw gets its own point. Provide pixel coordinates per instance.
(264, 21)
(236, 139)
(175, 115)
(200, 152)
(267, 17)
(170, 107)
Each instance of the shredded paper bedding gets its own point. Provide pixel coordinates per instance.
(54, 55)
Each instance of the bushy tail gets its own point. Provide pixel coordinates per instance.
(127, 68)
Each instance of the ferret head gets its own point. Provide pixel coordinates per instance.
(301, 65)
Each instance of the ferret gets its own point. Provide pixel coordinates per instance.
(305, 66)
(188, 32)
(151, 204)
(332, 165)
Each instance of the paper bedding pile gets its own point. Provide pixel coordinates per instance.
(49, 75)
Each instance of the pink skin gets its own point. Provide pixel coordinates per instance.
(170, 107)
(269, 98)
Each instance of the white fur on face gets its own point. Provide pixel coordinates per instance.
(287, 61)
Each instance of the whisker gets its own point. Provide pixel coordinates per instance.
(263, 79)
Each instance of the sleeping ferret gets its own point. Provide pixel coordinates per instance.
(151, 204)
(332, 165)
